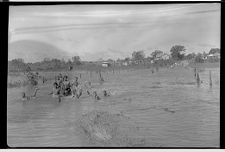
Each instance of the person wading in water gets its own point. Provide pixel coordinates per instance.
(31, 89)
(76, 90)
(67, 85)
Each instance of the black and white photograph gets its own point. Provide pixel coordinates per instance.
(114, 75)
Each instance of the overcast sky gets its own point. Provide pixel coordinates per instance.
(115, 31)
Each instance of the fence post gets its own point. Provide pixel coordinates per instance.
(198, 79)
(210, 79)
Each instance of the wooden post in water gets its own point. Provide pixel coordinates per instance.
(210, 79)
(113, 68)
(195, 72)
(100, 76)
(198, 79)
(80, 75)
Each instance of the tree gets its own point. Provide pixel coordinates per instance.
(190, 56)
(177, 52)
(214, 50)
(76, 60)
(138, 56)
(19, 60)
(28, 69)
(156, 53)
(110, 60)
(127, 59)
(56, 63)
(199, 58)
(19, 64)
(69, 62)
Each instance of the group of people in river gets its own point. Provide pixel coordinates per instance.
(62, 87)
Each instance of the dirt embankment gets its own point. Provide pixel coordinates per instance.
(100, 128)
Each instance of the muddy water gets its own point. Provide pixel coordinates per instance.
(166, 109)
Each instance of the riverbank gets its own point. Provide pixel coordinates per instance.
(17, 79)
(205, 65)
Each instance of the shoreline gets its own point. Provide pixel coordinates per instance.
(21, 82)
(205, 65)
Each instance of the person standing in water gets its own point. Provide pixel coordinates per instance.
(74, 87)
(195, 72)
(67, 86)
(31, 89)
(106, 93)
(96, 96)
(88, 87)
(56, 90)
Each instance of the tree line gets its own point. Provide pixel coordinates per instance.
(177, 53)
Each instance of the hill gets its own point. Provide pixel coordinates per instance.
(34, 51)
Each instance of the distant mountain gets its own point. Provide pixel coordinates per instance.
(33, 51)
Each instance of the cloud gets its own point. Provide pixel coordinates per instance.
(205, 11)
(54, 20)
(114, 31)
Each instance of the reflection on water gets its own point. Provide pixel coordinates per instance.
(167, 107)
